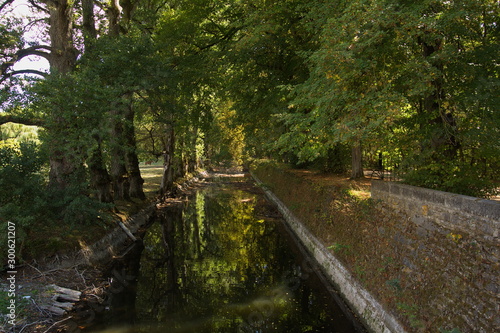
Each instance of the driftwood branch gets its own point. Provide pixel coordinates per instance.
(67, 294)
(53, 309)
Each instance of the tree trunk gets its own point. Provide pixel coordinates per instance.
(134, 172)
(63, 168)
(443, 141)
(62, 60)
(89, 30)
(167, 181)
(119, 174)
(114, 13)
(357, 161)
(63, 54)
(100, 180)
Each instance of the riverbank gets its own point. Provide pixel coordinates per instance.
(79, 264)
(433, 281)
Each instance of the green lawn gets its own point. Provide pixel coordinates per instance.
(152, 178)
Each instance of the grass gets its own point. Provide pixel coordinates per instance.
(152, 175)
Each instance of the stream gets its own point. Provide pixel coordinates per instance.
(220, 261)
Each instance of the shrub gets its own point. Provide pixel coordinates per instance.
(21, 188)
(26, 200)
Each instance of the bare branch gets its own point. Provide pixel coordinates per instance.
(37, 6)
(5, 4)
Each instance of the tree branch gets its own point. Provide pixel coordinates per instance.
(37, 6)
(9, 118)
(28, 71)
(5, 4)
(33, 50)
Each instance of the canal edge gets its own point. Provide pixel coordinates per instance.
(369, 310)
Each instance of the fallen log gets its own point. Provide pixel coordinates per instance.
(53, 309)
(63, 305)
(62, 301)
(66, 294)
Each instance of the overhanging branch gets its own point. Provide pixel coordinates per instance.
(9, 118)
(37, 6)
(36, 50)
(28, 71)
(7, 75)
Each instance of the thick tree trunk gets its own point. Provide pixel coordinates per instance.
(100, 180)
(63, 55)
(357, 161)
(63, 167)
(134, 172)
(135, 180)
(167, 181)
(118, 170)
(119, 176)
(114, 13)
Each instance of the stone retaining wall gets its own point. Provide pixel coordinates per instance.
(448, 245)
(365, 305)
(458, 213)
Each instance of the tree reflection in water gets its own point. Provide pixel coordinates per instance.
(214, 265)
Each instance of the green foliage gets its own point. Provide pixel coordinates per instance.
(413, 79)
(21, 184)
(226, 138)
(454, 177)
(23, 200)
(26, 201)
(298, 80)
(264, 62)
(18, 132)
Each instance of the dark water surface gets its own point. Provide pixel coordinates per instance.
(220, 262)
